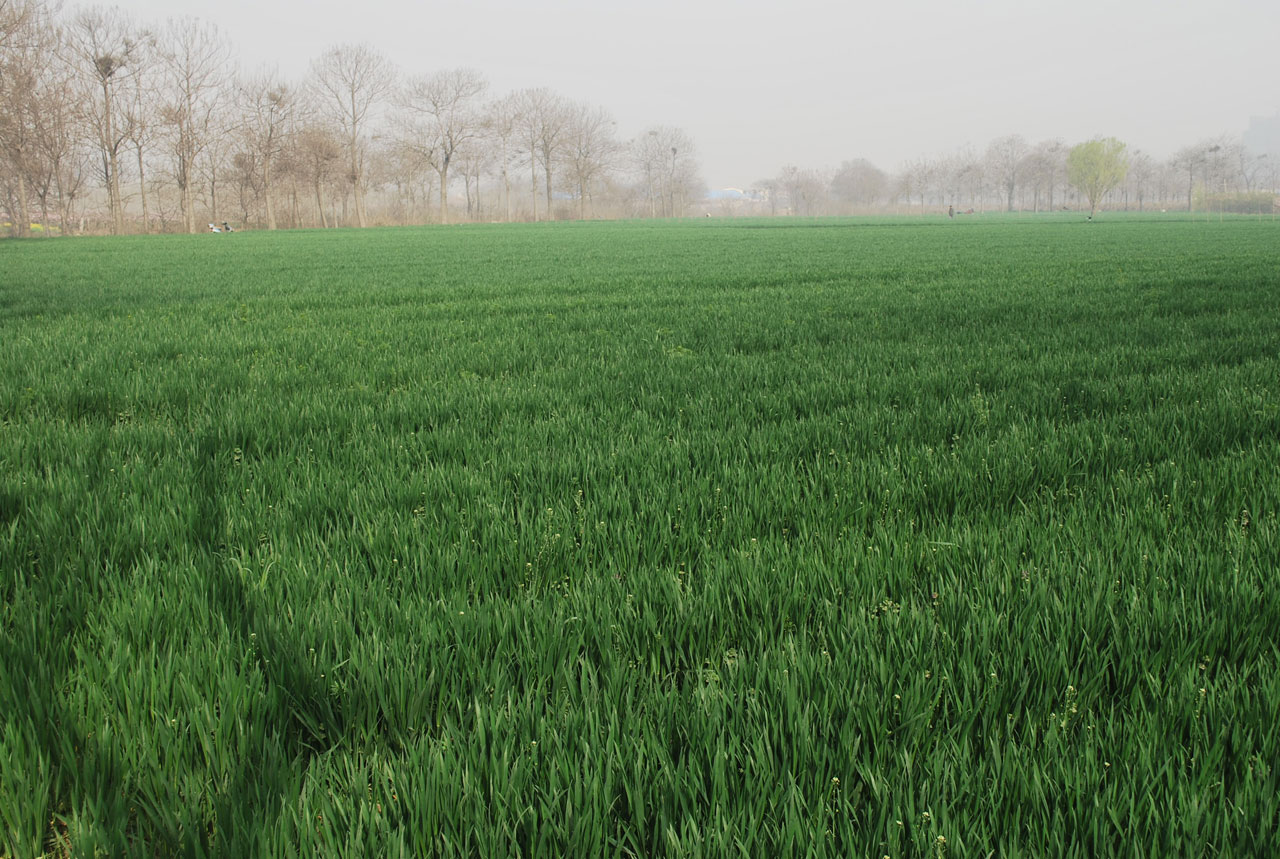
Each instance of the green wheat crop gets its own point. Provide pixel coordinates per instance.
(757, 538)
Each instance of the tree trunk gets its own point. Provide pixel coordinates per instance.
(22, 221)
(444, 190)
(506, 190)
(44, 214)
(189, 200)
(266, 193)
(213, 196)
(65, 208)
(533, 172)
(547, 167)
(109, 152)
(355, 170)
(358, 202)
(142, 190)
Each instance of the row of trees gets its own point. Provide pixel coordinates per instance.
(1014, 175)
(109, 125)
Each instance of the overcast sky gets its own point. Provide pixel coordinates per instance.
(759, 85)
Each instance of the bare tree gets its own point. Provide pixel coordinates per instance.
(351, 81)
(216, 160)
(648, 153)
(791, 182)
(1193, 160)
(543, 122)
(804, 190)
(1045, 167)
(667, 163)
(1222, 158)
(107, 46)
(1253, 167)
(591, 149)
(682, 176)
(1269, 174)
(444, 118)
(60, 143)
(318, 157)
(269, 107)
(1005, 157)
(770, 191)
(15, 17)
(1165, 182)
(950, 177)
(475, 162)
(246, 179)
(1035, 173)
(502, 124)
(916, 179)
(859, 183)
(412, 181)
(139, 106)
(969, 176)
(26, 40)
(1142, 170)
(195, 61)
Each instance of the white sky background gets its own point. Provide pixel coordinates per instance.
(759, 85)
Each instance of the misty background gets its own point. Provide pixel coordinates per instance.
(759, 85)
(148, 116)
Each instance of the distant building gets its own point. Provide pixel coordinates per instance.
(1263, 136)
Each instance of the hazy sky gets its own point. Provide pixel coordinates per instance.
(812, 82)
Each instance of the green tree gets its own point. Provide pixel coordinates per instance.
(1096, 167)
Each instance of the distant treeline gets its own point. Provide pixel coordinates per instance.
(1013, 175)
(109, 124)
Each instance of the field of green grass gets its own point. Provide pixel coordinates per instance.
(728, 538)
